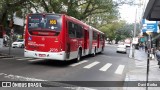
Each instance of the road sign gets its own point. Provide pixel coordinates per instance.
(151, 26)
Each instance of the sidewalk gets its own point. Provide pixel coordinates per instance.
(140, 69)
(5, 56)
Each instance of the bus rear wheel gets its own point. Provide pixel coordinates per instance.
(102, 50)
(94, 53)
(79, 56)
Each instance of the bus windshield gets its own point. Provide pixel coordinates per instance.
(44, 22)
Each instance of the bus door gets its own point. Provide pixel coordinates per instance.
(98, 42)
(86, 36)
(72, 44)
(72, 41)
(68, 50)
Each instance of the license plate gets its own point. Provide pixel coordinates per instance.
(42, 55)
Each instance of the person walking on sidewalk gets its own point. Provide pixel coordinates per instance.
(158, 56)
(146, 49)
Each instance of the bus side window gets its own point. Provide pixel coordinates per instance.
(79, 32)
(101, 37)
(71, 30)
(94, 35)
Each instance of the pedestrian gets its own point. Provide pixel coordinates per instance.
(158, 56)
(5, 40)
(146, 49)
(140, 46)
(143, 46)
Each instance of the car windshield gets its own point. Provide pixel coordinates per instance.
(19, 40)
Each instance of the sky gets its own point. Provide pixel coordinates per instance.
(128, 13)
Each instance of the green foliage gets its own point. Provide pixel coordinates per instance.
(118, 30)
(8, 8)
(101, 14)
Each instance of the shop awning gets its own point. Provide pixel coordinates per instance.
(152, 11)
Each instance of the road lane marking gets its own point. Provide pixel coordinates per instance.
(91, 65)
(35, 60)
(120, 69)
(24, 58)
(105, 67)
(76, 64)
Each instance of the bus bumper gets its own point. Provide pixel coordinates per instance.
(45, 55)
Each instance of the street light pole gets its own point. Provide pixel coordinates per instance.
(148, 58)
(132, 47)
(134, 33)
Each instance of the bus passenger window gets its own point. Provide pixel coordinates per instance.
(94, 35)
(101, 37)
(79, 31)
(71, 31)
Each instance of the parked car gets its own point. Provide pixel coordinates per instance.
(19, 43)
(127, 44)
(122, 48)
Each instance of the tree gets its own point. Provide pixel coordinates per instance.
(110, 30)
(8, 7)
(118, 30)
(79, 9)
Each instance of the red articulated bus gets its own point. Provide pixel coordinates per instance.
(60, 37)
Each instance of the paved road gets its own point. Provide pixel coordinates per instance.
(109, 66)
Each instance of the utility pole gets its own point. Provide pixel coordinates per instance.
(134, 32)
(132, 47)
(148, 58)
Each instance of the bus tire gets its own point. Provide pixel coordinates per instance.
(102, 50)
(94, 53)
(79, 55)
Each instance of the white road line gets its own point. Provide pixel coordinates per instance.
(105, 67)
(35, 60)
(91, 65)
(24, 58)
(120, 69)
(79, 63)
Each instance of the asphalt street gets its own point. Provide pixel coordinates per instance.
(108, 66)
